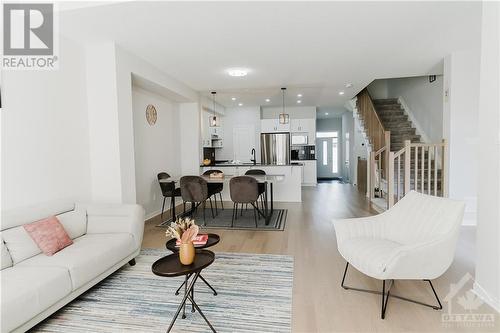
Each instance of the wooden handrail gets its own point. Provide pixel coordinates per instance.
(373, 126)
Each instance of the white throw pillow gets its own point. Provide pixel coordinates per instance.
(20, 245)
(6, 259)
(74, 222)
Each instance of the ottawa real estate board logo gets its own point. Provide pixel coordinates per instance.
(29, 36)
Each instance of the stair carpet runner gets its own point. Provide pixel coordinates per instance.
(394, 119)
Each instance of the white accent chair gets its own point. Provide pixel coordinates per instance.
(414, 240)
(33, 285)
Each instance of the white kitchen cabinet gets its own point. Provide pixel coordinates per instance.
(309, 173)
(273, 125)
(304, 126)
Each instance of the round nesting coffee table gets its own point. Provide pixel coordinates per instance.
(212, 240)
(170, 266)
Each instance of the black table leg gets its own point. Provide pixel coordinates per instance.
(208, 284)
(269, 213)
(188, 295)
(185, 292)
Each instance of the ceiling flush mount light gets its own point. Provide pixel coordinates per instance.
(233, 98)
(237, 72)
(213, 118)
(299, 95)
(341, 93)
(284, 117)
(240, 104)
(326, 113)
(299, 101)
(348, 85)
(268, 100)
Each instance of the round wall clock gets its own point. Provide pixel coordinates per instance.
(151, 114)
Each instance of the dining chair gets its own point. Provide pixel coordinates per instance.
(215, 188)
(194, 189)
(261, 186)
(168, 190)
(243, 190)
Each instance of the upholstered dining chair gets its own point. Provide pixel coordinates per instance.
(261, 186)
(215, 188)
(194, 189)
(168, 190)
(414, 240)
(243, 190)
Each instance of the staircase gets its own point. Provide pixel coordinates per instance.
(394, 119)
(399, 160)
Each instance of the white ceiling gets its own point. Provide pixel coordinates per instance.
(311, 48)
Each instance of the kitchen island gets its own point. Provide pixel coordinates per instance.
(286, 190)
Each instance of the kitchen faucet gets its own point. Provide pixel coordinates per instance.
(253, 154)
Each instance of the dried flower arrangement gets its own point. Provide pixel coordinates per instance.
(185, 230)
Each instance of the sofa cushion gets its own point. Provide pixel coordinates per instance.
(6, 259)
(27, 291)
(74, 222)
(49, 235)
(20, 245)
(369, 255)
(88, 257)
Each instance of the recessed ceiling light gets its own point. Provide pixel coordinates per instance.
(240, 104)
(237, 72)
(326, 113)
(268, 100)
(341, 92)
(299, 95)
(299, 101)
(348, 85)
(233, 98)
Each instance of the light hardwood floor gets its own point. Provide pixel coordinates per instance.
(319, 303)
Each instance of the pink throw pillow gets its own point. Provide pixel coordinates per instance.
(49, 235)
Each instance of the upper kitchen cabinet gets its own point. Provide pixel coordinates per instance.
(273, 125)
(304, 126)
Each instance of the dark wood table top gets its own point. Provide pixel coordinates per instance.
(171, 266)
(212, 240)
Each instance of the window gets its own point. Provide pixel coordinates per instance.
(335, 152)
(325, 153)
(327, 134)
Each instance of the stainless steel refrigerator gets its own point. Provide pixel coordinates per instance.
(275, 148)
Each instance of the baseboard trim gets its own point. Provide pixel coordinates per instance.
(485, 297)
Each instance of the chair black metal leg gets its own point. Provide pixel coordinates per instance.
(221, 202)
(162, 208)
(236, 212)
(435, 295)
(232, 217)
(255, 215)
(215, 198)
(170, 207)
(179, 289)
(386, 294)
(241, 210)
(184, 205)
(211, 207)
(204, 220)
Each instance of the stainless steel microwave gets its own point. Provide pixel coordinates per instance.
(299, 139)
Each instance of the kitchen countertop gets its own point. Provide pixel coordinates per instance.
(250, 164)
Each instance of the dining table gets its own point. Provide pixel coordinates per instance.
(267, 180)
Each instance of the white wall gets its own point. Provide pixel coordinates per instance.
(298, 112)
(45, 139)
(424, 101)
(487, 277)
(379, 89)
(155, 147)
(460, 127)
(348, 127)
(233, 119)
(189, 138)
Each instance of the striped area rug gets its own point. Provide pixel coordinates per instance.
(254, 295)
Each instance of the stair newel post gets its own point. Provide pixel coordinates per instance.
(387, 142)
(444, 169)
(390, 181)
(407, 165)
(371, 176)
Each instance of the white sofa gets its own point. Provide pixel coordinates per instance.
(33, 285)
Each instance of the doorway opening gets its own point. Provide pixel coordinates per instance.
(327, 144)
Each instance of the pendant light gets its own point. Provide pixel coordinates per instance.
(284, 117)
(213, 119)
